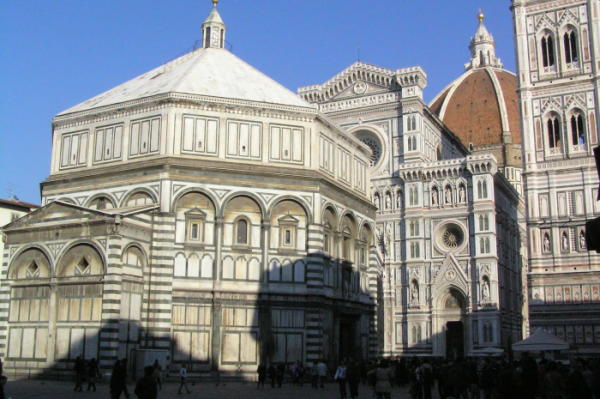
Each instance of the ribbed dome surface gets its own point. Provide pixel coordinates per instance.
(480, 106)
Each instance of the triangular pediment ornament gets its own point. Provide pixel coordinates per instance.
(80, 200)
(155, 188)
(544, 22)
(575, 99)
(287, 219)
(196, 212)
(308, 199)
(177, 187)
(119, 194)
(267, 197)
(553, 104)
(450, 274)
(563, 16)
(221, 193)
(55, 248)
(53, 212)
(103, 243)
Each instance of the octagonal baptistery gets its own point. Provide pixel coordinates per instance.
(481, 106)
(199, 214)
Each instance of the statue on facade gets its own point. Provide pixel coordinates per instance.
(388, 239)
(414, 293)
(434, 197)
(388, 201)
(485, 290)
(448, 195)
(582, 239)
(546, 243)
(461, 193)
(565, 242)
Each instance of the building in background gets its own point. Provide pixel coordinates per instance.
(200, 211)
(11, 210)
(447, 221)
(558, 57)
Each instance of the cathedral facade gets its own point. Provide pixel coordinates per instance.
(558, 54)
(447, 219)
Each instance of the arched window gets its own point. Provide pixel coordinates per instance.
(577, 128)
(547, 44)
(241, 235)
(207, 38)
(570, 44)
(482, 189)
(553, 127)
(484, 222)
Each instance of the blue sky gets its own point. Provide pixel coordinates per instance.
(58, 53)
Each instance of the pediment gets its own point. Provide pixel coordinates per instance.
(56, 212)
(359, 89)
(195, 213)
(450, 274)
(287, 219)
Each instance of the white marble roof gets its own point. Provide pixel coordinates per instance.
(207, 72)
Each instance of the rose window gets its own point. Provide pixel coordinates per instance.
(451, 236)
(374, 144)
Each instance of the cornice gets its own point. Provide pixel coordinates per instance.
(545, 5)
(181, 99)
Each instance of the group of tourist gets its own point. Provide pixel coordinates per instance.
(473, 378)
(491, 378)
(86, 371)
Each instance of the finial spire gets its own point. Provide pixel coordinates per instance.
(213, 29)
(480, 15)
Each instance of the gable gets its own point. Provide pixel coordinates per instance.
(54, 213)
(450, 274)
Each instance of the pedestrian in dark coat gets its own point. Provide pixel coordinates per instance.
(157, 370)
(272, 375)
(118, 380)
(280, 374)
(79, 372)
(93, 374)
(147, 387)
(353, 377)
(262, 376)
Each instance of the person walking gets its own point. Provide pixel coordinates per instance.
(280, 373)
(322, 372)
(156, 372)
(353, 378)
(382, 376)
(262, 376)
(118, 380)
(426, 374)
(314, 375)
(93, 374)
(340, 377)
(79, 371)
(272, 374)
(183, 380)
(147, 387)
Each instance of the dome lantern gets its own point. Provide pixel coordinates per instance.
(483, 48)
(213, 29)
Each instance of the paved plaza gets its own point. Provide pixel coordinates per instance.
(31, 389)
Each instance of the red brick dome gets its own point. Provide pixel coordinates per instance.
(481, 106)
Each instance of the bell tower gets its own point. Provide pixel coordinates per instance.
(558, 73)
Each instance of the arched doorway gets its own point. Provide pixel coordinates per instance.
(452, 318)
